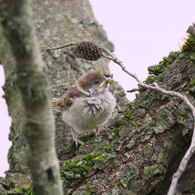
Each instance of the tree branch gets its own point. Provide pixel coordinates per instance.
(62, 46)
(191, 30)
(155, 87)
(191, 149)
(32, 80)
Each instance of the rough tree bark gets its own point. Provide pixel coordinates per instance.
(32, 81)
(144, 143)
(75, 22)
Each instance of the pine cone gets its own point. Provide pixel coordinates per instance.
(88, 51)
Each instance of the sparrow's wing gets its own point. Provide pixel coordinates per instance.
(54, 102)
(69, 96)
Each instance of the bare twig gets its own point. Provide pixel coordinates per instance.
(62, 46)
(133, 90)
(120, 63)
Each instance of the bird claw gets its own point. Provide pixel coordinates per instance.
(78, 141)
(74, 136)
(98, 130)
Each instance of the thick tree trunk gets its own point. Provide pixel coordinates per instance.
(57, 23)
(144, 143)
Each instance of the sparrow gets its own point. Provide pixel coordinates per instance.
(87, 104)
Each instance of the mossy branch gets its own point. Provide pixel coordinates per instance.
(191, 30)
(155, 87)
(91, 49)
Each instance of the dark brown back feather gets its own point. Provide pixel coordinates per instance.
(85, 83)
(68, 97)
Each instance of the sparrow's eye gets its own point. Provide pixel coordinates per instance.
(96, 82)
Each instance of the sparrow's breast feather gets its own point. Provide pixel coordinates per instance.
(100, 105)
(87, 113)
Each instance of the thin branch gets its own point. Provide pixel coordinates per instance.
(133, 90)
(120, 63)
(62, 46)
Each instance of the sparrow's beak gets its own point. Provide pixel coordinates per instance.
(108, 80)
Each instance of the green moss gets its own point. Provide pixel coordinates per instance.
(109, 147)
(129, 105)
(128, 111)
(116, 130)
(138, 124)
(75, 168)
(15, 191)
(187, 109)
(19, 188)
(166, 62)
(90, 189)
(87, 143)
(90, 159)
(116, 140)
(63, 178)
(149, 79)
(116, 184)
(29, 191)
(155, 69)
(137, 95)
(160, 77)
(128, 114)
(91, 142)
(189, 45)
(192, 83)
(71, 168)
(80, 167)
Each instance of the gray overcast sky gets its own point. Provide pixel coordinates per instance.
(143, 32)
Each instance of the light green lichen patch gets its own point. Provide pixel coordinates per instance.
(155, 169)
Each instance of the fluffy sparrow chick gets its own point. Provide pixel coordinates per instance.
(87, 104)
